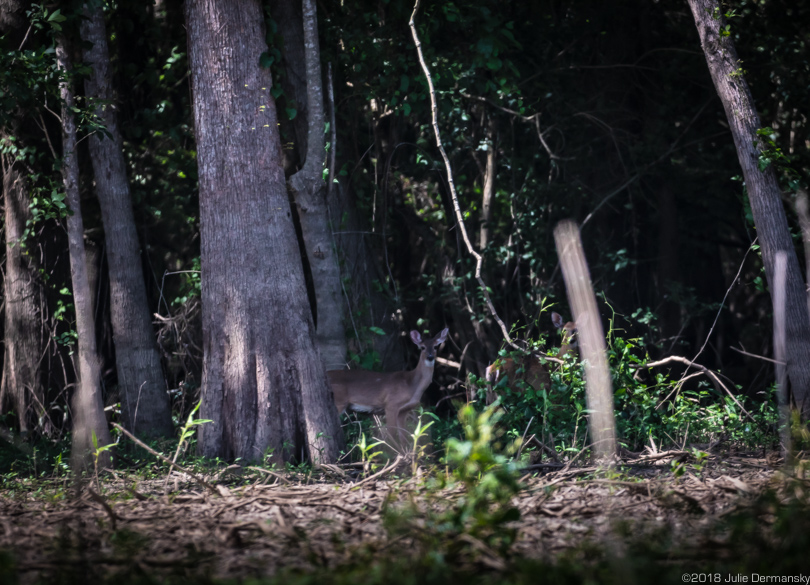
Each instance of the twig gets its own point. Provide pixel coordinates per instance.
(107, 508)
(710, 373)
(453, 195)
(384, 470)
(759, 357)
(723, 302)
(448, 363)
(25, 38)
(165, 459)
(278, 476)
(523, 438)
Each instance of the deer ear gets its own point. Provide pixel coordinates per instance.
(415, 337)
(442, 336)
(557, 319)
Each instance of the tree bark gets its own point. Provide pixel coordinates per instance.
(145, 406)
(260, 363)
(24, 301)
(763, 191)
(23, 337)
(309, 191)
(88, 407)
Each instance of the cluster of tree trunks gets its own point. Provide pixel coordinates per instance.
(267, 343)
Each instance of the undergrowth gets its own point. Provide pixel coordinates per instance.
(651, 408)
(455, 524)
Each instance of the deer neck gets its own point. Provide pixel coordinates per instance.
(422, 375)
(567, 348)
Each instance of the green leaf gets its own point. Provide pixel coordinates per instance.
(265, 60)
(404, 82)
(376, 330)
(57, 16)
(485, 46)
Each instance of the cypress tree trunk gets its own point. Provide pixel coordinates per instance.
(23, 331)
(264, 386)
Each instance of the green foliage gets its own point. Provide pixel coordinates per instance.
(649, 407)
(771, 155)
(484, 471)
(192, 284)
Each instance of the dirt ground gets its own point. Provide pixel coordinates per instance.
(254, 530)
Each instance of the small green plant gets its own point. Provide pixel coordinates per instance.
(188, 430)
(488, 475)
(477, 521)
(367, 457)
(701, 458)
(419, 450)
(97, 452)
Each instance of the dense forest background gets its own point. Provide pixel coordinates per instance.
(601, 112)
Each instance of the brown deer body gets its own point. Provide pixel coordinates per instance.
(393, 393)
(528, 368)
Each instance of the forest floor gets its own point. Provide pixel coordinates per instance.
(180, 531)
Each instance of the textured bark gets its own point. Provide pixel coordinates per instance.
(763, 191)
(88, 408)
(309, 191)
(24, 302)
(23, 336)
(13, 21)
(260, 362)
(145, 406)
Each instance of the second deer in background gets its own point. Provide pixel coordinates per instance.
(392, 393)
(528, 368)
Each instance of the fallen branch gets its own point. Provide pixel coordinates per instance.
(165, 459)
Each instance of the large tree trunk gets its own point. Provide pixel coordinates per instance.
(23, 328)
(23, 338)
(309, 191)
(763, 190)
(260, 362)
(89, 424)
(145, 406)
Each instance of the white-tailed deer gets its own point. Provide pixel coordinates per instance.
(528, 368)
(392, 393)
